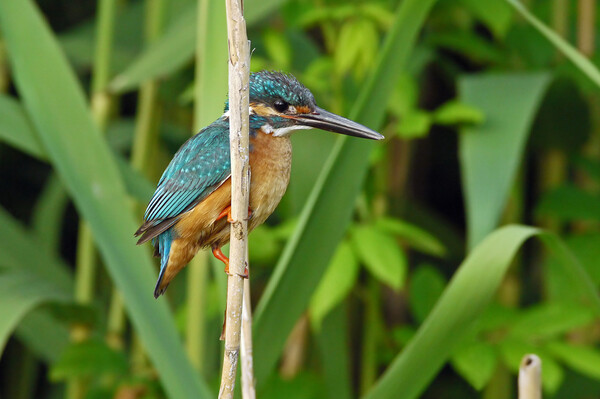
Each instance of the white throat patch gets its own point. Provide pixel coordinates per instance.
(282, 131)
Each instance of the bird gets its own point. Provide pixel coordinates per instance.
(191, 207)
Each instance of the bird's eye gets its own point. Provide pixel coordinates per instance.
(280, 105)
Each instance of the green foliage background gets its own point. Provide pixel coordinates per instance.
(390, 269)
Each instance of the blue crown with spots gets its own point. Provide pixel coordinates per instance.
(267, 87)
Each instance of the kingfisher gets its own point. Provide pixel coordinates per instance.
(191, 207)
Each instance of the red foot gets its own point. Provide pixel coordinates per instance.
(227, 212)
(221, 256)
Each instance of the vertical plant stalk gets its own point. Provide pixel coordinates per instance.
(586, 16)
(144, 143)
(248, 387)
(86, 260)
(239, 69)
(197, 274)
(530, 378)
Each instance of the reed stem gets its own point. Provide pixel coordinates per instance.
(239, 70)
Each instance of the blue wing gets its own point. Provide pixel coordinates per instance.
(200, 166)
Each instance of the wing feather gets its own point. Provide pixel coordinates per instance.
(200, 166)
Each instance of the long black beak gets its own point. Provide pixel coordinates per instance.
(322, 119)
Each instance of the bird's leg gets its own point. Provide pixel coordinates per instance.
(227, 212)
(221, 256)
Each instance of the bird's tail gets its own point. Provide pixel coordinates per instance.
(163, 245)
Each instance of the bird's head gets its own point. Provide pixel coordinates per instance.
(279, 104)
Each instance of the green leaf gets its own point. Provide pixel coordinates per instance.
(569, 203)
(48, 213)
(425, 288)
(90, 358)
(462, 303)
(550, 320)
(20, 292)
(16, 129)
(381, 254)
(278, 48)
(335, 285)
(491, 153)
(414, 236)
(476, 362)
(310, 248)
(414, 124)
(23, 251)
(176, 47)
(513, 351)
(583, 359)
(578, 59)
(454, 113)
(347, 50)
(263, 246)
(333, 341)
(564, 109)
(406, 95)
(493, 13)
(59, 111)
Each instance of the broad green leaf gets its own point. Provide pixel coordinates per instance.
(335, 285)
(454, 113)
(476, 362)
(381, 255)
(584, 359)
(549, 320)
(490, 153)
(176, 47)
(569, 203)
(425, 288)
(20, 292)
(414, 236)
(90, 358)
(310, 248)
(462, 303)
(513, 351)
(578, 59)
(58, 109)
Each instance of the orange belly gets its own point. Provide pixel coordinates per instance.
(270, 165)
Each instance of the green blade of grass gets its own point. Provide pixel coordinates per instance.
(57, 107)
(464, 299)
(17, 130)
(21, 250)
(332, 199)
(490, 153)
(20, 292)
(176, 47)
(580, 61)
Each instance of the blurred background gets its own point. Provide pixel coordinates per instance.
(490, 111)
